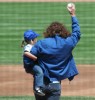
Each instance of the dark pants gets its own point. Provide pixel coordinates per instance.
(51, 95)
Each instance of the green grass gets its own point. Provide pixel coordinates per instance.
(32, 98)
(15, 18)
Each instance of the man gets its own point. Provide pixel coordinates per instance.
(55, 57)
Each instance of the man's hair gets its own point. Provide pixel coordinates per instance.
(56, 28)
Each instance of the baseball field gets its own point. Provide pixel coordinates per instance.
(15, 18)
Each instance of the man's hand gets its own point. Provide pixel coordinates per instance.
(71, 9)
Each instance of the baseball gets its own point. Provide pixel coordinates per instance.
(70, 5)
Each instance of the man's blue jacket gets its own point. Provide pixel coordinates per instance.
(55, 54)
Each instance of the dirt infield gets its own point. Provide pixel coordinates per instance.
(14, 82)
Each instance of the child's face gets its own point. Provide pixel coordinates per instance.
(35, 40)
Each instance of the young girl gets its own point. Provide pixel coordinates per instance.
(30, 61)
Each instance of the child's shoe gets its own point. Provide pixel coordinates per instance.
(39, 91)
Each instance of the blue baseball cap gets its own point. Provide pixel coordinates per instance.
(30, 35)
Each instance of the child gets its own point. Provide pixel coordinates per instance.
(30, 61)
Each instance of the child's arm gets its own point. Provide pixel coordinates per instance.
(31, 56)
